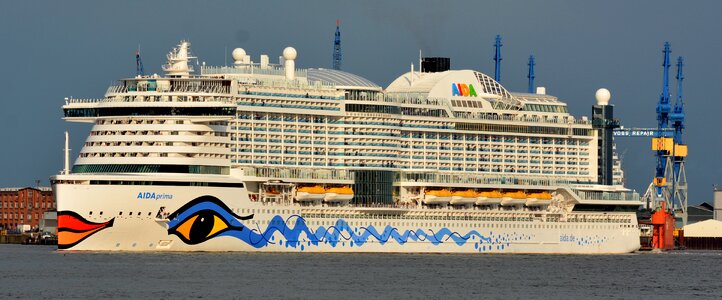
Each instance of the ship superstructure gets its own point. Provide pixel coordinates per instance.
(269, 157)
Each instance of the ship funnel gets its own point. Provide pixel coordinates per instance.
(435, 64)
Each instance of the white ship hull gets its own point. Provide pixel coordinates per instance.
(218, 161)
(136, 226)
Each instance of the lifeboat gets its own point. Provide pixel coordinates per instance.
(310, 193)
(272, 191)
(437, 197)
(489, 198)
(539, 199)
(515, 198)
(464, 197)
(338, 194)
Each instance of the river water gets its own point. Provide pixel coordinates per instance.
(42, 272)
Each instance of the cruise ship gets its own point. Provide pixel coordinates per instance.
(259, 156)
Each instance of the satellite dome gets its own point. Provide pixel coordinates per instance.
(603, 96)
(238, 54)
(289, 53)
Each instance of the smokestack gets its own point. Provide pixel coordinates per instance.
(435, 64)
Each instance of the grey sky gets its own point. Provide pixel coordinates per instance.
(54, 49)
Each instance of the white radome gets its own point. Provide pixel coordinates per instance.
(289, 53)
(238, 54)
(603, 96)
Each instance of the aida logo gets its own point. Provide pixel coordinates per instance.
(462, 89)
(154, 196)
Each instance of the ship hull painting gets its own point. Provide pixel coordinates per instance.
(204, 222)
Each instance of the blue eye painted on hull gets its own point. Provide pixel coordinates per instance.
(202, 219)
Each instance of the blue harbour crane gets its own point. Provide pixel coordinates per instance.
(497, 58)
(337, 47)
(670, 179)
(663, 109)
(530, 76)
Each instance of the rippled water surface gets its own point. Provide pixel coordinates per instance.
(41, 272)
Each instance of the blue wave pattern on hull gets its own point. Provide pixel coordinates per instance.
(185, 223)
(342, 232)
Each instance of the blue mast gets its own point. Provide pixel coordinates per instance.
(677, 116)
(531, 74)
(337, 47)
(497, 59)
(663, 109)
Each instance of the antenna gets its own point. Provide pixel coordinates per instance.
(337, 47)
(421, 66)
(66, 169)
(138, 63)
(531, 74)
(497, 59)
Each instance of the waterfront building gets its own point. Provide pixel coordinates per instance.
(21, 206)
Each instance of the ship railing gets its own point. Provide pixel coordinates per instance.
(83, 101)
(365, 96)
(297, 83)
(114, 89)
(191, 87)
(414, 98)
(497, 117)
(620, 196)
(175, 87)
(485, 179)
(300, 173)
(251, 69)
(119, 99)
